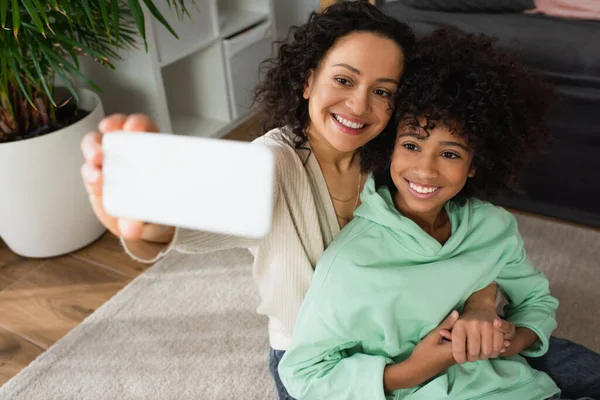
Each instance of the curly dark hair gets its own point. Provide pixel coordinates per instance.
(284, 76)
(482, 93)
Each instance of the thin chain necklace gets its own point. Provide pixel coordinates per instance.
(356, 196)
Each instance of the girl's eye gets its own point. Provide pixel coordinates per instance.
(382, 93)
(448, 154)
(343, 81)
(410, 146)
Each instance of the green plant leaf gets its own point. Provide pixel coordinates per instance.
(15, 72)
(104, 12)
(3, 12)
(52, 56)
(25, 68)
(159, 16)
(16, 18)
(71, 43)
(59, 71)
(41, 75)
(74, 57)
(138, 17)
(43, 14)
(88, 11)
(35, 18)
(114, 10)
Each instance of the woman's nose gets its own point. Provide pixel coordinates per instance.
(358, 102)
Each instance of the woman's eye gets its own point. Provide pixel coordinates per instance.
(382, 93)
(343, 81)
(448, 154)
(410, 146)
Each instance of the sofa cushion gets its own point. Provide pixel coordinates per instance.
(472, 5)
(551, 44)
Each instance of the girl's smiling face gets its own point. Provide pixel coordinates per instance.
(350, 93)
(429, 167)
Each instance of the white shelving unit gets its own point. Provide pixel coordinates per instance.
(202, 83)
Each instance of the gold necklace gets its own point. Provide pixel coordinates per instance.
(357, 196)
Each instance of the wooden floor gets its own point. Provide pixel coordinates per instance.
(43, 299)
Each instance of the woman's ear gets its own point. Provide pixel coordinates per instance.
(310, 77)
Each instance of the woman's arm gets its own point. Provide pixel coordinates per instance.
(531, 307)
(184, 241)
(321, 364)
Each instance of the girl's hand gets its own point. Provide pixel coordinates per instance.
(91, 172)
(434, 352)
(431, 356)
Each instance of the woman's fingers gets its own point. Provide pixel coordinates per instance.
(459, 340)
(114, 122)
(498, 342)
(92, 179)
(91, 147)
(473, 346)
(130, 229)
(139, 123)
(487, 342)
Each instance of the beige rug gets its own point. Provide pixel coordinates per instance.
(186, 328)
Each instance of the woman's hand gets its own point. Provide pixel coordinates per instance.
(91, 172)
(479, 334)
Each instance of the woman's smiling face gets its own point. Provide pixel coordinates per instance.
(350, 93)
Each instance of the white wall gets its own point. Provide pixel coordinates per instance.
(292, 12)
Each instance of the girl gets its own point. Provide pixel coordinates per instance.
(384, 295)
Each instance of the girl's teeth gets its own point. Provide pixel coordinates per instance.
(347, 123)
(423, 190)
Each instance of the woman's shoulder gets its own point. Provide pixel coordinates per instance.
(291, 160)
(281, 142)
(281, 138)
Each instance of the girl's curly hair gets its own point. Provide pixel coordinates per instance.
(284, 76)
(481, 93)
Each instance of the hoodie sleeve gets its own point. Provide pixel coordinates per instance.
(527, 291)
(321, 364)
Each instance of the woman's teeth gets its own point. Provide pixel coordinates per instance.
(347, 123)
(423, 190)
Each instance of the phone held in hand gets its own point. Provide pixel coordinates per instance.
(206, 184)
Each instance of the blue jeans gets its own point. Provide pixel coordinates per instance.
(274, 357)
(574, 368)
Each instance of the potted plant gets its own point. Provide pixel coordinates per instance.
(44, 209)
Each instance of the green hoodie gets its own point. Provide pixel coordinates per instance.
(384, 284)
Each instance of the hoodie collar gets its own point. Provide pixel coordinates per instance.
(378, 207)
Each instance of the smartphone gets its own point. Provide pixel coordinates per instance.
(207, 184)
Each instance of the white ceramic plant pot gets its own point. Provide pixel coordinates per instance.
(44, 208)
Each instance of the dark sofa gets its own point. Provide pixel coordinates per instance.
(564, 182)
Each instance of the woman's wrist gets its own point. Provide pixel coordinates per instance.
(484, 298)
(155, 233)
